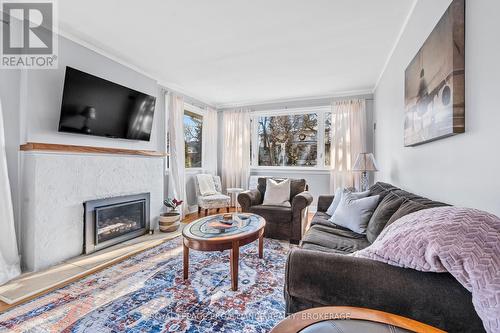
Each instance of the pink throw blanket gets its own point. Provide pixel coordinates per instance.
(464, 242)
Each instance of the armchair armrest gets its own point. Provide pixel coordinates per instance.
(315, 279)
(300, 202)
(324, 201)
(249, 198)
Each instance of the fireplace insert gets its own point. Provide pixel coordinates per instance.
(114, 220)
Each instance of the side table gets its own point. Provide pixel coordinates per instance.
(233, 193)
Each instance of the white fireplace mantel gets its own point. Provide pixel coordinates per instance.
(55, 186)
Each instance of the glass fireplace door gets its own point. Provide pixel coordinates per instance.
(117, 220)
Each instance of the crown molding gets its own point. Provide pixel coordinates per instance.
(333, 95)
(396, 43)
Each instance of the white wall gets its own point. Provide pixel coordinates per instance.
(460, 170)
(31, 102)
(44, 90)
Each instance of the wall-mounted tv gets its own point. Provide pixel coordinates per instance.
(94, 106)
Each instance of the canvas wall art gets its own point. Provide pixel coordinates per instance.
(435, 82)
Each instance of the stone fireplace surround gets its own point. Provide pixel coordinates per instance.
(55, 186)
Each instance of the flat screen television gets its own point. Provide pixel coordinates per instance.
(94, 106)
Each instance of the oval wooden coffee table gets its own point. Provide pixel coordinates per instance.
(349, 319)
(202, 236)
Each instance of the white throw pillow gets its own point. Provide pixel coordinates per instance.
(353, 213)
(206, 184)
(277, 194)
(338, 197)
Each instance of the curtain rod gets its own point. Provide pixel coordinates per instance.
(187, 99)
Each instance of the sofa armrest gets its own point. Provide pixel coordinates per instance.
(249, 198)
(324, 201)
(321, 279)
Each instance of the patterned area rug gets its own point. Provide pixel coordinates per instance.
(146, 293)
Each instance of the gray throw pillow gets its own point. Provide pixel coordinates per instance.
(353, 213)
(406, 208)
(385, 209)
(338, 196)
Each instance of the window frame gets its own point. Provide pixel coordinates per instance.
(320, 111)
(201, 112)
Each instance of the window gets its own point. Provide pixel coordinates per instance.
(299, 138)
(288, 140)
(328, 137)
(193, 127)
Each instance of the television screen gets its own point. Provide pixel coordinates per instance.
(94, 106)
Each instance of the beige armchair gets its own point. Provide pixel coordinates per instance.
(215, 201)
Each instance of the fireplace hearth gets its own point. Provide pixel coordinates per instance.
(114, 220)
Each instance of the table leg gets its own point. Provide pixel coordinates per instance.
(235, 253)
(261, 246)
(186, 260)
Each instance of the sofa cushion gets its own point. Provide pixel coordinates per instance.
(319, 237)
(216, 198)
(315, 247)
(386, 208)
(321, 218)
(277, 193)
(339, 231)
(276, 214)
(296, 186)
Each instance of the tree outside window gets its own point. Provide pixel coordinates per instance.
(328, 137)
(193, 127)
(289, 140)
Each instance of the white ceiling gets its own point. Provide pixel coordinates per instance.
(241, 51)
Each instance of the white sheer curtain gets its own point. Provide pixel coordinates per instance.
(236, 149)
(348, 140)
(9, 255)
(209, 141)
(177, 175)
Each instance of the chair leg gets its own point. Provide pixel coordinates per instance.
(218, 209)
(206, 212)
(227, 209)
(199, 210)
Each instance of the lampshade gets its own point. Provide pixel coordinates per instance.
(365, 162)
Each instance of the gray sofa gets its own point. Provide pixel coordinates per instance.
(286, 223)
(320, 273)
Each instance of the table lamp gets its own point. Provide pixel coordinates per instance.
(365, 162)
